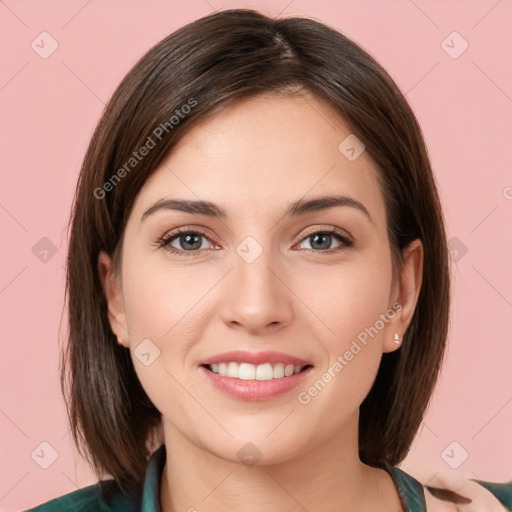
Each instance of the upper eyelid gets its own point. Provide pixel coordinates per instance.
(327, 228)
(186, 230)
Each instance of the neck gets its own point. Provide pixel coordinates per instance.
(329, 476)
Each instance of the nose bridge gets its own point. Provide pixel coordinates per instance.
(252, 269)
(257, 298)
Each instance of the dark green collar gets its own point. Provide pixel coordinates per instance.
(409, 489)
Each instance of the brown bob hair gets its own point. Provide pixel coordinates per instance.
(210, 63)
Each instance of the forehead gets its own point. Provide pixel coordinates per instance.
(264, 153)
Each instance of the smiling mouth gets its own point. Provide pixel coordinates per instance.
(247, 371)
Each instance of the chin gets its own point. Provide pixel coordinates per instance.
(255, 449)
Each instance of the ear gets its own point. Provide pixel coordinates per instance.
(113, 292)
(405, 292)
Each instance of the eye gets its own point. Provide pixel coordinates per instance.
(321, 241)
(189, 242)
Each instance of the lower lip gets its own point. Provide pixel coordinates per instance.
(254, 390)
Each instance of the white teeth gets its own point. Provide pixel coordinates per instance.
(264, 372)
(246, 371)
(232, 370)
(278, 370)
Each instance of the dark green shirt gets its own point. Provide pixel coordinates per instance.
(106, 496)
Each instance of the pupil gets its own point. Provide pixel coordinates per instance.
(189, 239)
(324, 238)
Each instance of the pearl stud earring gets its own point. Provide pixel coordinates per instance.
(396, 338)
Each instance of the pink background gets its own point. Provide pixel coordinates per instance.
(50, 107)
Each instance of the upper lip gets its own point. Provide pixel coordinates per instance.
(255, 358)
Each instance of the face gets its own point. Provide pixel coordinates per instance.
(308, 290)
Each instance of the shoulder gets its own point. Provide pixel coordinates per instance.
(104, 496)
(446, 493)
(470, 496)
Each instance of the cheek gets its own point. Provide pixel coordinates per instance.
(163, 305)
(349, 302)
(170, 307)
(349, 299)
(160, 298)
(352, 310)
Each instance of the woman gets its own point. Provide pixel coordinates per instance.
(258, 280)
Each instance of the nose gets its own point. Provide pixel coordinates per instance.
(256, 298)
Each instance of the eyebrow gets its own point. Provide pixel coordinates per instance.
(300, 207)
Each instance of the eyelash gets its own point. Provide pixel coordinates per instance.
(168, 238)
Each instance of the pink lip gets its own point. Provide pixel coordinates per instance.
(254, 390)
(244, 356)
